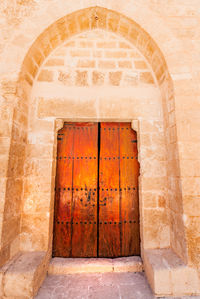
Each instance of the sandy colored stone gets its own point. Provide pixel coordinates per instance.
(146, 77)
(106, 64)
(98, 78)
(46, 75)
(25, 275)
(139, 64)
(86, 63)
(60, 266)
(106, 44)
(58, 107)
(81, 78)
(168, 275)
(161, 32)
(83, 21)
(128, 264)
(15, 247)
(185, 280)
(80, 53)
(115, 54)
(54, 62)
(81, 56)
(63, 266)
(124, 27)
(125, 64)
(115, 78)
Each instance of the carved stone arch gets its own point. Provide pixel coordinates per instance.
(89, 19)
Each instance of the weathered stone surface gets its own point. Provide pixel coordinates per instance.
(101, 285)
(62, 266)
(164, 35)
(168, 275)
(24, 275)
(127, 264)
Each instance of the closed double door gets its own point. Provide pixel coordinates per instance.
(96, 194)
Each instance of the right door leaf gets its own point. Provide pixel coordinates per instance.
(118, 191)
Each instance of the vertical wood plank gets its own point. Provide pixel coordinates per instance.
(63, 193)
(109, 201)
(129, 171)
(84, 227)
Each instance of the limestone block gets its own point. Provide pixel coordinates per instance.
(14, 246)
(146, 77)
(98, 78)
(115, 78)
(168, 275)
(135, 125)
(185, 281)
(62, 266)
(54, 62)
(125, 64)
(157, 273)
(128, 264)
(25, 275)
(10, 229)
(81, 78)
(46, 75)
(58, 108)
(84, 21)
(156, 228)
(35, 231)
(3, 270)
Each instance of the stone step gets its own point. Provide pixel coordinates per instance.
(168, 275)
(63, 266)
(22, 276)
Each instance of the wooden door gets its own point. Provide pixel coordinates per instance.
(96, 197)
(75, 225)
(118, 191)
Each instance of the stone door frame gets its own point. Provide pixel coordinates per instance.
(59, 123)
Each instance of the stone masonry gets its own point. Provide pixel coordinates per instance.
(135, 61)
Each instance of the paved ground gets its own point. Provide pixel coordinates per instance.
(98, 286)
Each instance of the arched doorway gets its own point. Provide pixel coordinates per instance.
(57, 96)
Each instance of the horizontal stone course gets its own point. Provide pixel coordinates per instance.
(118, 62)
(89, 19)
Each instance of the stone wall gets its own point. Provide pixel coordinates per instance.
(161, 84)
(14, 121)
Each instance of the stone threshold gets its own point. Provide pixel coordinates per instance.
(64, 266)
